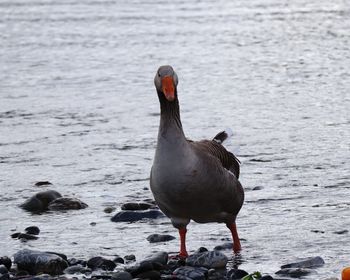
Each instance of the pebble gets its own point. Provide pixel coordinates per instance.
(102, 263)
(133, 216)
(6, 261)
(130, 258)
(341, 231)
(134, 206)
(195, 273)
(306, 263)
(154, 238)
(32, 230)
(122, 275)
(225, 246)
(210, 259)
(109, 209)
(42, 183)
(40, 201)
(74, 261)
(118, 259)
(36, 262)
(66, 203)
(295, 272)
(74, 269)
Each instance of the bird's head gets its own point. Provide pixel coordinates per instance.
(166, 82)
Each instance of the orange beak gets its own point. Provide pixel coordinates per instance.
(168, 88)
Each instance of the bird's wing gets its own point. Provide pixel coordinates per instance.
(212, 147)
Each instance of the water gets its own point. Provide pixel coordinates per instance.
(78, 108)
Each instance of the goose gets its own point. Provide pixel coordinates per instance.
(192, 180)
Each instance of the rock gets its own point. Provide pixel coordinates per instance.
(3, 269)
(74, 269)
(151, 275)
(32, 230)
(210, 259)
(133, 206)
(66, 203)
(118, 259)
(195, 273)
(40, 201)
(74, 261)
(154, 238)
(5, 276)
(257, 188)
(306, 263)
(225, 246)
(201, 250)
(102, 263)
(130, 258)
(266, 277)
(133, 216)
(109, 209)
(236, 274)
(140, 268)
(122, 275)
(42, 183)
(36, 262)
(25, 236)
(6, 261)
(159, 257)
(295, 272)
(63, 256)
(341, 231)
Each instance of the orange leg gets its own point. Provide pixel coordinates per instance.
(236, 243)
(183, 251)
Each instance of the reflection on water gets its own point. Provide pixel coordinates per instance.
(78, 108)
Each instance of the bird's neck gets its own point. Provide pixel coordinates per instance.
(170, 121)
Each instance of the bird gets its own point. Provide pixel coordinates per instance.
(192, 180)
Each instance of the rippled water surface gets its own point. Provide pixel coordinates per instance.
(78, 108)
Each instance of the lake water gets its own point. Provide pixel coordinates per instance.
(78, 108)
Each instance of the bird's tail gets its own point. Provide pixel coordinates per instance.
(223, 135)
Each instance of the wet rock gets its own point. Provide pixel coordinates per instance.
(295, 272)
(40, 201)
(74, 269)
(122, 275)
(102, 263)
(133, 216)
(140, 268)
(306, 263)
(266, 277)
(210, 259)
(130, 258)
(154, 238)
(201, 250)
(134, 206)
(341, 231)
(195, 273)
(3, 269)
(32, 230)
(6, 261)
(63, 256)
(225, 246)
(257, 188)
(74, 261)
(66, 203)
(234, 274)
(36, 262)
(25, 236)
(151, 275)
(118, 259)
(159, 257)
(109, 209)
(42, 183)
(4, 276)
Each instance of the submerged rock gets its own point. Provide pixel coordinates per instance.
(195, 273)
(133, 216)
(134, 206)
(312, 262)
(40, 201)
(295, 272)
(36, 262)
(102, 263)
(66, 203)
(32, 230)
(42, 183)
(210, 259)
(154, 238)
(225, 246)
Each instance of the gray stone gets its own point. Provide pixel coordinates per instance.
(66, 203)
(159, 257)
(195, 273)
(154, 238)
(109, 209)
(210, 259)
(225, 246)
(102, 263)
(6, 261)
(36, 262)
(312, 262)
(122, 275)
(134, 206)
(40, 201)
(295, 272)
(133, 216)
(75, 269)
(32, 230)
